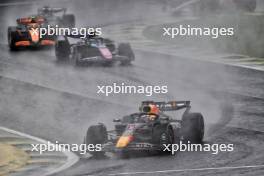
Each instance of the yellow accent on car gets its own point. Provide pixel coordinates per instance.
(123, 141)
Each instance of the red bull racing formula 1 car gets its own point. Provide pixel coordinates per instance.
(148, 130)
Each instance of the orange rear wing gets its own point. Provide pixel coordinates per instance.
(29, 20)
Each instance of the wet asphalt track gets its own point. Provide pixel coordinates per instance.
(58, 101)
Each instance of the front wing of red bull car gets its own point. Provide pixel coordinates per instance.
(146, 132)
(27, 33)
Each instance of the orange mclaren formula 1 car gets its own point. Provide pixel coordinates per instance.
(26, 33)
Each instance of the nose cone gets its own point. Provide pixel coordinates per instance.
(106, 53)
(123, 141)
(34, 33)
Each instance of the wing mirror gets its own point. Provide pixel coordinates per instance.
(116, 120)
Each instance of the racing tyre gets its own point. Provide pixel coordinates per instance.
(169, 136)
(69, 20)
(166, 138)
(124, 49)
(246, 5)
(62, 50)
(96, 134)
(11, 33)
(193, 127)
(163, 135)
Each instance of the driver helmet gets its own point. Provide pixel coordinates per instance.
(153, 111)
(33, 19)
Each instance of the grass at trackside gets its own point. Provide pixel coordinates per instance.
(11, 159)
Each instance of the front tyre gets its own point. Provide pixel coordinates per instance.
(193, 127)
(167, 138)
(62, 50)
(96, 134)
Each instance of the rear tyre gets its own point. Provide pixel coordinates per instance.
(62, 50)
(69, 20)
(193, 127)
(124, 49)
(96, 134)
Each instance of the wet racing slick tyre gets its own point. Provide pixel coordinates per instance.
(96, 134)
(193, 127)
(246, 5)
(11, 35)
(68, 20)
(62, 50)
(169, 139)
(124, 49)
(163, 136)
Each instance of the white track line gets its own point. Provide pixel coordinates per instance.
(187, 170)
(71, 157)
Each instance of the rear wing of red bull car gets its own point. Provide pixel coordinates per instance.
(167, 106)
